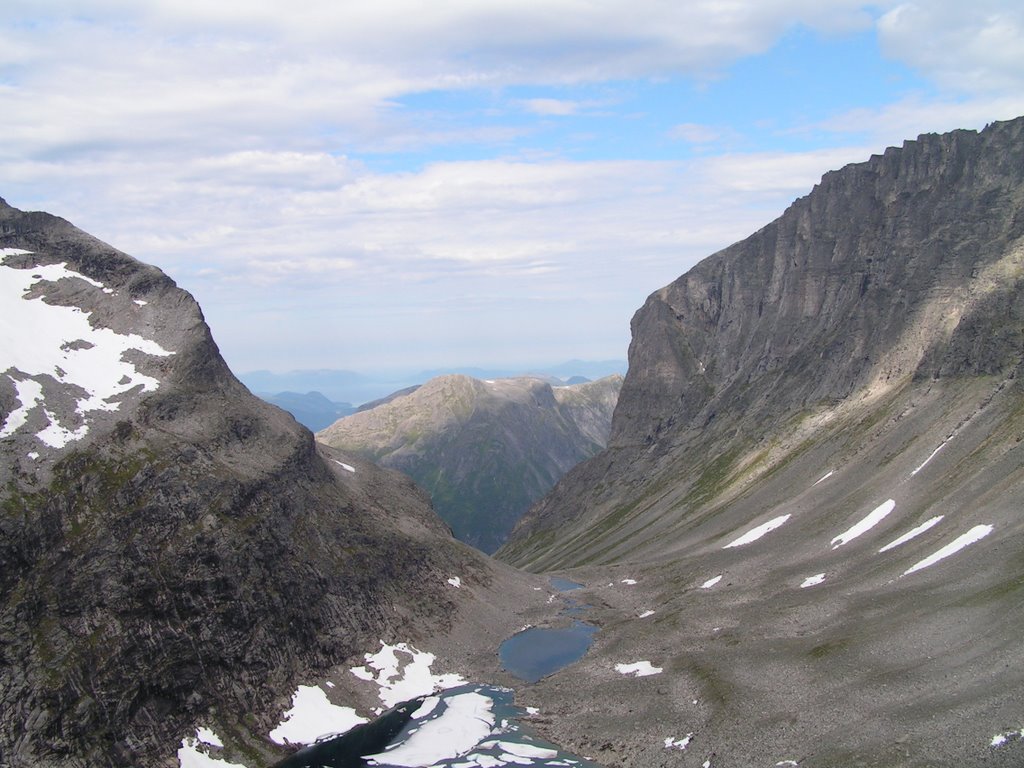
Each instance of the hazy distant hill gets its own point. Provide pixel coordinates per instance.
(311, 409)
(484, 450)
(362, 387)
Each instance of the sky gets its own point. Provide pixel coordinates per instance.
(400, 185)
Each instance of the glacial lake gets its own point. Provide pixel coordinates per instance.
(472, 725)
(541, 651)
(538, 652)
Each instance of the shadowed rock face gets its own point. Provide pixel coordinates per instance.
(895, 273)
(180, 549)
(815, 478)
(483, 450)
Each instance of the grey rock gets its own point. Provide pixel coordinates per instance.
(196, 553)
(483, 450)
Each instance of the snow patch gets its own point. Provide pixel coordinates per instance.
(141, 302)
(645, 614)
(466, 721)
(193, 752)
(1002, 738)
(343, 465)
(711, 582)
(976, 533)
(876, 516)
(207, 736)
(638, 669)
(312, 716)
(63, 345)
(930, 457)
(911, 534)
(825, 477)
(629, 581)
(756, 533)
(455, 581)
(30, 393)
(812, 581)
(400, 679)
(682, 743)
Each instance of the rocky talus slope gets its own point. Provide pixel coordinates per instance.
(814, 483)
(483, 450)
(173, 550)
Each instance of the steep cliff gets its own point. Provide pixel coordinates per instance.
(902, 272)
(172, 549)
(483, 450)
(807, 521)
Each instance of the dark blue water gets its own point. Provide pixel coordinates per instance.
(540, 651)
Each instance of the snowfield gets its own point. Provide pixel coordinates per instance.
(63, 354)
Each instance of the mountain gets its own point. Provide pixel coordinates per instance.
(363, 387)
(312, 410)
(483, 450)
(815, 478)
(173, 550)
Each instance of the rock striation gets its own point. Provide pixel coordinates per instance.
(807, 518)
(173, 549)
(898, 272)
(483, 450)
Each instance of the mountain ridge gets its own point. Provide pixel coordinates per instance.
(174, 551)
(483, 449)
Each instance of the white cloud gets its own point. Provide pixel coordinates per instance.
(694, 133)
(975, 47)
(244, 147)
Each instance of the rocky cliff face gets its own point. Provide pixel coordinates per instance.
(483, 450)
(807, 520)
(171, 547)
(898, 272)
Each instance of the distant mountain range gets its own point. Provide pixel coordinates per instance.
(312, 409)
(345, 386)
(483, 449)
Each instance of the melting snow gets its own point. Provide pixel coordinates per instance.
(645, 614)
(976, 533)
(638, 669)
(313, 716)
(191, 755)
(400, 682)
(825, 477)
(464, 724)
(63, 345)
(343, 465)
(812, 581)
(876, 516)
(932, 456)
(455, 581)
(29, 394)
(711, 582)
(757, 533)
(207, 736)
(682, 743)
(1001, 738)
(629, 581)
(911, 534)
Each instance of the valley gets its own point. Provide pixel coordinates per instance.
(794, 532)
